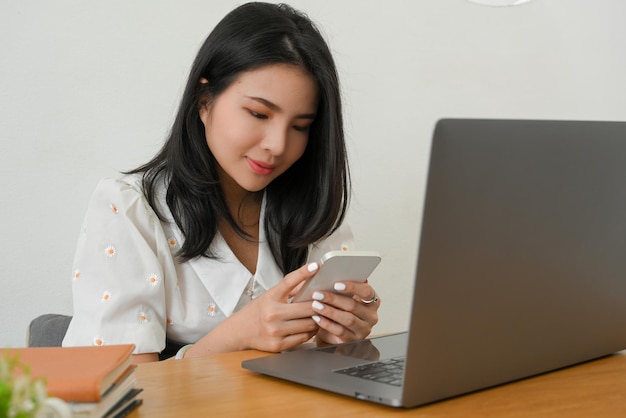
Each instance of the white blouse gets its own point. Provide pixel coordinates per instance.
(129, 287)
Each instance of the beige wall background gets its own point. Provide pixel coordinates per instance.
(89, 88)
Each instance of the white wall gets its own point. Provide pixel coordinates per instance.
(88, 88)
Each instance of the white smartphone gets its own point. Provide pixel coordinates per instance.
(336, 266)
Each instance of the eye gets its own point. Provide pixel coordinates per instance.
(302, 128)
(257, 114)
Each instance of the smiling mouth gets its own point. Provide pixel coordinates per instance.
(260, 168)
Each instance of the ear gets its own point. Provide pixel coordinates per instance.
(205, 112)
(203, 104)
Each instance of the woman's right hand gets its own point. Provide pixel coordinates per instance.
(276, 324)
(267, 323)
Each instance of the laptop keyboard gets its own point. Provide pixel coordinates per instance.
(385, 371)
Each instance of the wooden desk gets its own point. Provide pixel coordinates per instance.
(217, 386)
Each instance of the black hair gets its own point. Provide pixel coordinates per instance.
(308, 201)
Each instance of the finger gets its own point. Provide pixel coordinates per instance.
(346, 319)
(295, 340)
(360, 291)
(344, 303)
(332, 332)
(296, 289)
(286, 286)
(347, 312)
(292, 327)
(285, 343)
(326, 338)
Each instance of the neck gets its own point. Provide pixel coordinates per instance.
(244, 206)
(245, 209)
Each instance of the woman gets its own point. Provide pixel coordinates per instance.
(204, 245)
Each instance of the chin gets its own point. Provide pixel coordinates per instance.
(253, 187)
(254, 183)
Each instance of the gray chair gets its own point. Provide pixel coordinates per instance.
(47, 330)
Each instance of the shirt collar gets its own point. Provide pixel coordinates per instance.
(224, 277)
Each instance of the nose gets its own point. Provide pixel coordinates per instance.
(275, 140)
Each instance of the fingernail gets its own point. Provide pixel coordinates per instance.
(312, 267)
(316, 318)
(317, 306)
(340, 286)
(318, 296)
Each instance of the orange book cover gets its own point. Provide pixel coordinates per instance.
(76, 374)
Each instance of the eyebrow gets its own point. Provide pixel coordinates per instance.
(277, 108)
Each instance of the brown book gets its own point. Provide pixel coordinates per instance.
(77, 374)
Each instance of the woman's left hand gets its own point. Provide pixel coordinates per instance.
(348, 315)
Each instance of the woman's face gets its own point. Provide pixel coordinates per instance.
(259, 126)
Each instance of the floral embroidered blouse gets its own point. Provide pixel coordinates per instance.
(128, 286)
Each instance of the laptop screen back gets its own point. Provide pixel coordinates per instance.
(522, 259)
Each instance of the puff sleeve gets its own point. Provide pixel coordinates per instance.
(121, 264)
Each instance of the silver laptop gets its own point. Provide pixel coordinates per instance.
(521, 267)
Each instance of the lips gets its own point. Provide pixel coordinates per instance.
(260, 167)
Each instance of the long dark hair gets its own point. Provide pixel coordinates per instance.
(303, 205)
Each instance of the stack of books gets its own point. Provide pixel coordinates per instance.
(95, 382)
